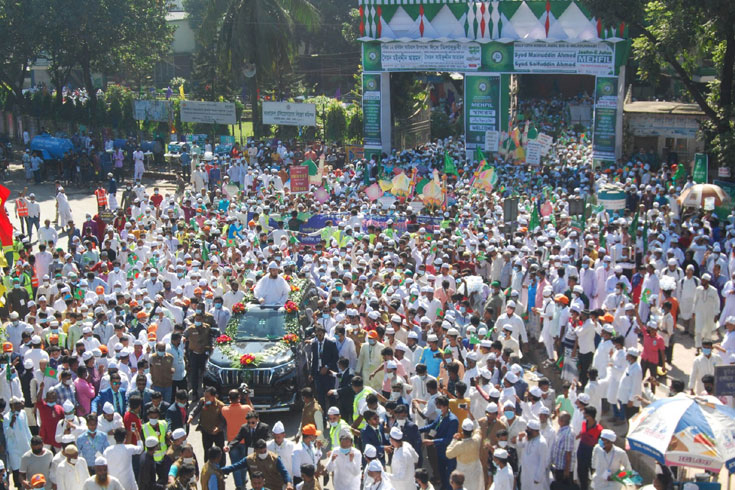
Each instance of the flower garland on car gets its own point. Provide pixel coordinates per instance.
(290, 339)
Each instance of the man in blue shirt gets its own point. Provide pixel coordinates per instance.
(440, 434)
(431, 356)
(185, 161)
(92, 442)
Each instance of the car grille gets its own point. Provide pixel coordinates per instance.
(253, 377)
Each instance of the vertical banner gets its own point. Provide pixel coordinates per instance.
(700, 172)
(606, 109)
(371, 99)
(481, 109)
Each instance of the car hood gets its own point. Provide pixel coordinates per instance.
(256, 348)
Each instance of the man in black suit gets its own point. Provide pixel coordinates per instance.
(324, 357)
(178, 412)
(410, 430)
(250, 432)
(157, 401)
(344, 395)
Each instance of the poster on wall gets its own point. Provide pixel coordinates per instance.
(481, 108)
(371, 99)
(606, 110)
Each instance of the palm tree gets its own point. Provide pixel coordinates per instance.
(257, 34)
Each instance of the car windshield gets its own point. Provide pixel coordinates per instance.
(261, 324)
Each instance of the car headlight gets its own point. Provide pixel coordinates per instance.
(284, 369)
(213, 369)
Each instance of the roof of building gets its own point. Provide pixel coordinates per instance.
(663, 107)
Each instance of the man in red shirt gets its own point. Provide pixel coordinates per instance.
(588, 437)
(131, 420)
(654, 349)
(156, 198)
(49, 413)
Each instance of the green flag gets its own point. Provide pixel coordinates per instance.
(602, 239)
(680, 173)
(633, 225)
(449, 167)
(132, 258)
(645, 237)
(49, 372)
(480, 156)
(535, 221)
(205, 251)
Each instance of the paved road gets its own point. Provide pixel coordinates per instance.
(83, 201)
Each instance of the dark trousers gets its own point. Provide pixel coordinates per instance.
(209, 440)
(584, 464)
(649, 367)
(670, 352)
(323, 384)
(630, 411)
(32, 221)
(584, 363)
(197, 364)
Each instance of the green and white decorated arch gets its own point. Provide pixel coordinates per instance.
(488, 41)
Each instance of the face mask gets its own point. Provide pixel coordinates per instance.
(263, 455)
(706, 351)
(197, 323)
(69, 417)
(371, 341)
(153, 421)
(370, 481)
(72, 460)
(345, 450)
(180, 404)
(116, 269)
(51, 404)
(502, 443)
(509, 414)
(218, 306)
(325, 315)
(161, 352)
(67, 382)
(333, 424)
(188, 460)
(401, 422)
(601, 443)
(91, 432)
(462, 310)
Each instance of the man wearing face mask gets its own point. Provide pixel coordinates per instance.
(345, 462)
(92, 442)
(162, 371)
(220, 313)
(71, 424)
(120, 457)
(72, 472)
(211, 421)
(35, 461)
(199, 344)
(269, 464)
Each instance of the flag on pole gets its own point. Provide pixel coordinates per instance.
(602, 240)
(449, 167)
(6, 228)
(49, 371)
(633, 225)
(182, 96)
(535, 221)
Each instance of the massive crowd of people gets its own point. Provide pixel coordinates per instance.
(422, 332)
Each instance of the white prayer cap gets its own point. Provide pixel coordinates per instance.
(333, 411)
(273, 265)
(108, 408)
(100, 461)
(151, 441)
(466, 425)
(396, 433)
(178, 433)
(278, 428)
(370, 451)
(375, 466)
(68, 406)
(608, 435)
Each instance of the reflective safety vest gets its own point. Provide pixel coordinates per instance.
(101, 197)
(366, 390)
(22, 207)
(148, 431)
(334, 432)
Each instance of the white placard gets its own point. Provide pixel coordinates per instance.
(492, 139)
(151, 110)
(581, 58)
(709, 203)
(208, 112)
(533, 153)
(545, 141)
(289, 114)
(449, 56)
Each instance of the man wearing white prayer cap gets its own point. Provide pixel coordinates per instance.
(503, 478)
(102, 480)
(404, 461)
(283, 447)
(465, 450)
(76, 425)
(607, 460)
(374, 479)
(120, 455)
(272, 289)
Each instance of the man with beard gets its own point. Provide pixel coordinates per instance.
(101, 480)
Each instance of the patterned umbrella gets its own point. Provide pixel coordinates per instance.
(694, 196)
(698, 432)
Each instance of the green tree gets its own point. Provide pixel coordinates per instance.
(126, 36)
(677, 37)
(259, 35)
(20, 42)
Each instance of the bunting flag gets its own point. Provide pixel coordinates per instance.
(6, 228)
(449, 167)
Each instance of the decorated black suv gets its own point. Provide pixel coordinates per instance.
(263, 347)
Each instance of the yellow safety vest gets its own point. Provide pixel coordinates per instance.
(334, 433)
(366, 390)
(160, 435)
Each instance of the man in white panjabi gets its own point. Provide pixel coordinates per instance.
(534, 455)
(120, 457)
(272, 289)
(706, 309)
(403, 464)
(101, 480)
(64, 208)
(72, 472)
(608, 460)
